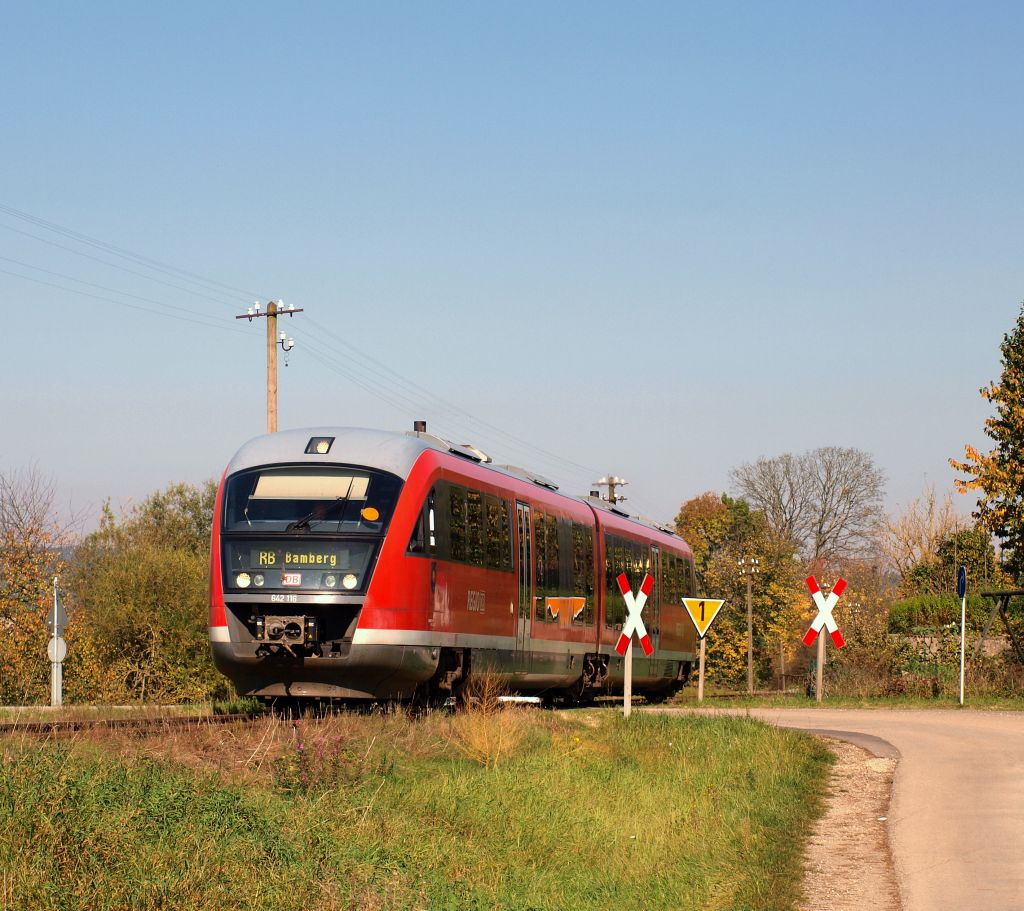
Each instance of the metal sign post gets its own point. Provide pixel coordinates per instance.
(961, 590)
(57, 648)
(634, 605)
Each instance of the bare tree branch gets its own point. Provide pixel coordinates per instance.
(29, 540)
(779, 488)
(828, 501)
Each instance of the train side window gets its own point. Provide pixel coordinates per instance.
(416, 539)
(668, 577)
(506, 535)
(565, 558)
(614, 563)
(494, 541)
(431, 523)
(642, 556)
(583, 570)
(540, 564)
(424, 532)
(622, 555)
(475, 530)
(457, 522)
(552, 549)
(497, 533)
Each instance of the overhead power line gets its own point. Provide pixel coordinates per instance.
(81, 281)
(438, 402)
(223, 301)
(137, 258)
(448, 420)
(200, 319)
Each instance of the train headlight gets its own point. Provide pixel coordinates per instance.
(350, 581)
(258, 580)
(242, 580)
(331, 580)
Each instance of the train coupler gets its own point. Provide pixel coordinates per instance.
(295, 635)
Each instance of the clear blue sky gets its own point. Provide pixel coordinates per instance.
(657, 240)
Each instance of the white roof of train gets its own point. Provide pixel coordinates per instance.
(387, 450)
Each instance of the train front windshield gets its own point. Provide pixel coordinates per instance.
(305, 527)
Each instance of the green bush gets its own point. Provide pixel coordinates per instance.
(138, 587)
(925, 612)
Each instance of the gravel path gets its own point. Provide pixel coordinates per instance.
(849, 865)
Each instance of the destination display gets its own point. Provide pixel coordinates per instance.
(256, 565)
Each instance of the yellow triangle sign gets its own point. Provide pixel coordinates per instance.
(702, 612)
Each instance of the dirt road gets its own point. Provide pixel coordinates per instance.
(957, 814)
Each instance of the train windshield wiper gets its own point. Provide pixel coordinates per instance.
(318, 514)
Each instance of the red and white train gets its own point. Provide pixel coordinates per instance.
(362, 565)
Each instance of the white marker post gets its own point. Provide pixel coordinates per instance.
(57, 648)
(634, 605)
(961, 590)
(702, 612)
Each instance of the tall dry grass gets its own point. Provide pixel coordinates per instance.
(487, 730)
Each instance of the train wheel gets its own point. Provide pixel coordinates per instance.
(288, 707)
(658, 696)
(578, 694)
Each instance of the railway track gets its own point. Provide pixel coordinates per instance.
(59, 726)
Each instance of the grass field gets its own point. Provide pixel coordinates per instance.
(515, 809)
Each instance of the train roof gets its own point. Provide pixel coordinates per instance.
(395, 452)
(383, 449)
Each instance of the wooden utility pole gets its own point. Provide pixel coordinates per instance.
(274, 308)
(819, 673)
(272, 367)
(611, 482)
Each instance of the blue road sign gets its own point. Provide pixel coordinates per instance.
(961, 581)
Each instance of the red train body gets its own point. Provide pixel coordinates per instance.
(358, 564)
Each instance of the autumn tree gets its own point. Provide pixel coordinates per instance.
(712, 523)
(827, 502)
(140, 582)
(998, 475)
(30, 556)
(721, 530)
